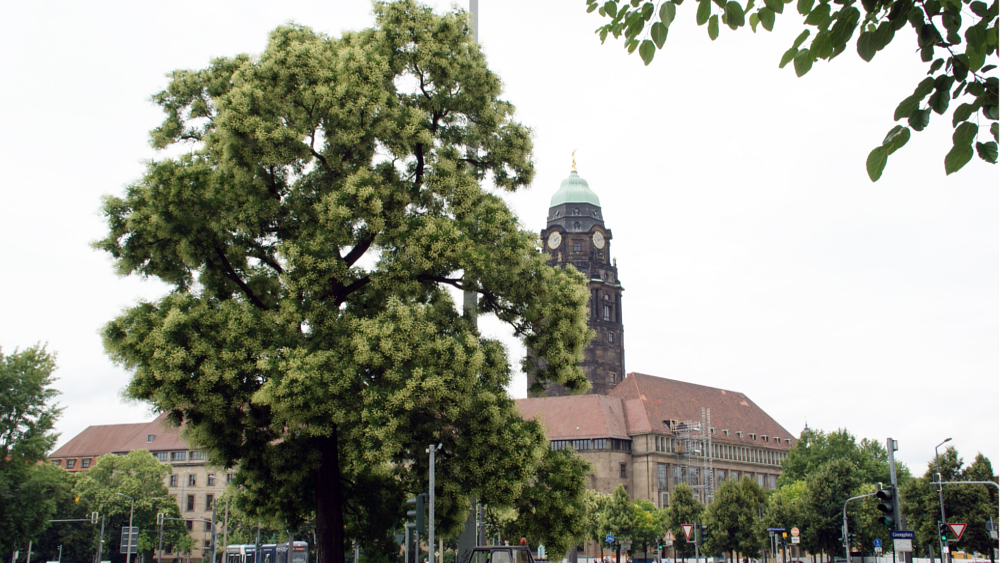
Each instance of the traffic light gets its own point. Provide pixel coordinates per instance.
(417, 513)
(701, 533)
(943, 531)
(93, 517)
(887, 498)
(659, 542)
(159, 518)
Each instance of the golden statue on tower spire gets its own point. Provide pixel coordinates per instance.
(574, 160)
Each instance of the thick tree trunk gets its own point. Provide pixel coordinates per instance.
(329, 503)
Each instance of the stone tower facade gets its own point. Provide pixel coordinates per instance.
(575, 235)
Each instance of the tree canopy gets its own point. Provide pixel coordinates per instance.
(733, 518)
(955, 38)
(326, 196)
(29, 490)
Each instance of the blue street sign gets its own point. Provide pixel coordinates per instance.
(878, 542)
(775, 529)
(610, 539)
(903, 535)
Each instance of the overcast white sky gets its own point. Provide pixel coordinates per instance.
(755, 253)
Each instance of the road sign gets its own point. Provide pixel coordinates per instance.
(687, 530)
(795, 532)
(903, 534)
(957, 529)
(130, 545)
(878, 542)
(669, 543)
(669, 536)
(795, 539)
(878, 549)
(775, 529)
(902, 544)
(626, 545)
(609, 538)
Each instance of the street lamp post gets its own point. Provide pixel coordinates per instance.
(131, 511)
(937, 467)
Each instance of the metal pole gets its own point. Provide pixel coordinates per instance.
(100, 544)
(159, 551)
(847, 543)
(256, 545)
(897, 515)
(937, 467)
(215, 535)
(430, 510)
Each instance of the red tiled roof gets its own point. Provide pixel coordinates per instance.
(99, 440)
(165, 437)
(577, 416)
(650, 400)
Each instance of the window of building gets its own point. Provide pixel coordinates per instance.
(178, 456)
(576, 226)
(208, 526)
(753, 436)
(197, 455)
(190, 503)
(173, 480)
(190, 525)
(163, 456)
(208, 501)
(607, 312)
(229, 477)
(622, 470)
(577, 247)
(149, 438)
(57, 461)
(661, 476)
(70, 463)
(772, 481)
(760, 480)
(208, 543)
(612, 376)
(611, 337)
(192, 480)
(211, 479)
(84, 463)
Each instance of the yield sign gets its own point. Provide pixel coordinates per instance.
(688, 527)
(669, 536)
(957, 529)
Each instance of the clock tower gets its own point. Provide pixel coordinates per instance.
(575, 235)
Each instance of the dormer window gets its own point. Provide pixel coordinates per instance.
(788, 441)
(713, 431)
(726, 431)
(149, 438)
(753, 436)
(764, 436)
(739, 434)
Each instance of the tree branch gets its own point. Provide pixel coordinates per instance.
(235, 278)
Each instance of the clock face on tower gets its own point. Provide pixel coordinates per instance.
(599, 239)
(554, 240)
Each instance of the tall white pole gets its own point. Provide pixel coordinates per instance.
(131, 512)
(430, 511)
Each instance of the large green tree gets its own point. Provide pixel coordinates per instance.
(140, 476)
(957, 39)
(619, 518)
(648, 525)
(828, 487)
(733, 518)
(28, 489)
(326, 197)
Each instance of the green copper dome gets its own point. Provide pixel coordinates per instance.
(574, 190)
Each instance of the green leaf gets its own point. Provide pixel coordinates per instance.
(866, 45)
(987, 151)
(956, 158)
(979, 8)
(734, 15)
(777, 6)
(713, 27)
(990, 112)
(805, 6)
(897, 137)
(924, 88)
(647, 11)
(720, 3)
(704, 10)
(935, 66)
(876, 163)
(787, 57)
(919, 119)
(965, 133)
(939, 101)
(668, 11)
(819, 14)
(766, 18)
(646, 51)
(803, 62)
(800, 39)
(909, 105)
(631, 45)
(884, 35)
(754, 20)
(658, 32)
(611, 7)
(591, 8)
(995, 130)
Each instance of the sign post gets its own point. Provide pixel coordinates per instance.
(902, 540)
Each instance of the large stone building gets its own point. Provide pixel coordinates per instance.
(644, 432)
(192, 482)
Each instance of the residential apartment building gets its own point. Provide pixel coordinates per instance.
(194, 483)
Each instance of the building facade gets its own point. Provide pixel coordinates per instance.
(192, 482)
(575, 235)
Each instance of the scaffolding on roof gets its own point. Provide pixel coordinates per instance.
(693, 445)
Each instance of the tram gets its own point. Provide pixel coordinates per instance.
(269, 553)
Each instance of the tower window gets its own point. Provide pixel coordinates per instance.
(576, 211)
(611, 337)
(613, 376)
(607, 312)
(577, 247)
(576, 226)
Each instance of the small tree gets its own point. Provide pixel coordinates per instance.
(620, 518)
(649, 523)
(683, 509)
(733, 518)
